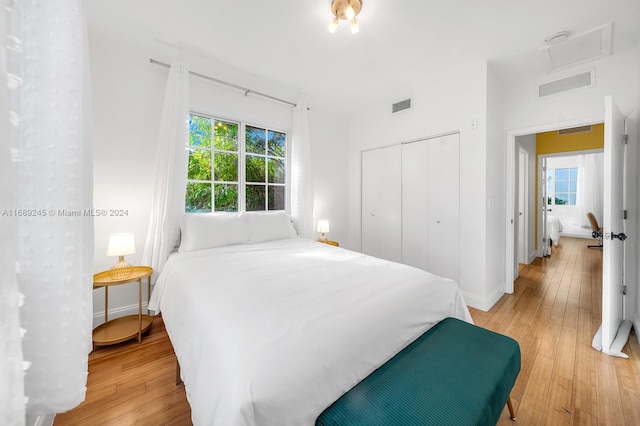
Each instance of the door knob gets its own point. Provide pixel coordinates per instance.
(621, 236)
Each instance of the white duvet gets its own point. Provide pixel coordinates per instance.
(273, 333)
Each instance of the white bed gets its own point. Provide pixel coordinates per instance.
(272, 333)
(554, 229)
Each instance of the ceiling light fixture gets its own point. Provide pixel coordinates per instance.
(347, 10)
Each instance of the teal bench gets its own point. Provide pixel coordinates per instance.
(454, 374)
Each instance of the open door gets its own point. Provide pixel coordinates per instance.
(546, 248)
(613, 332)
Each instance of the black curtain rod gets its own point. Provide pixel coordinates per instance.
(225, 83)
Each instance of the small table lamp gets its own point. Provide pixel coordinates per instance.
(323, 228)
(121, 245)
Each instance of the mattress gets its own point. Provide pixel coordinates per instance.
(273, 333)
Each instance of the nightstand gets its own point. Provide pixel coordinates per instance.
(331, 243)
(127, 327)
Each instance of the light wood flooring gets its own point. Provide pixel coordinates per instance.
(553, 313)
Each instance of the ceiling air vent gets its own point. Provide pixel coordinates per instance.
(577, 81)
(401, 106)
(581, 129)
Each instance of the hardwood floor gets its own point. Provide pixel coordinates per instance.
(553, 313)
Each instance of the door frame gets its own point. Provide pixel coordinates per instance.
(523, 208)
(510, 181)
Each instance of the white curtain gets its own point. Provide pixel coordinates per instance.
(12, 399)
(589, 195)
(301, 176)
(167, 206)
(51, 168)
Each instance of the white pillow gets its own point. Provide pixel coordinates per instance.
(201, 231)
(269, 226)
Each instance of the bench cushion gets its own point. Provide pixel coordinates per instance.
(454, 374)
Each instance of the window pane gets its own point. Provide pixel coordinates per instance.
(198, 198)
(199, 164)
(276, 197)
(277, 144)
(199, 131)
(276, 170)
(562, 199)
(573, 173)
(225, 167)
(255, 169)
(562, 186)
(255, 140)
(255, 197)
(562, 174)
(573, 186)
(572, 199)
(226, 197)
(225, 136)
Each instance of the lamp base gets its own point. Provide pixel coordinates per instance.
(322, 237)
(121, 270)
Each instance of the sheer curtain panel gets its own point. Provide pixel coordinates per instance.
(12, 399)
(167, 206)
(301, 177)
(51, 168)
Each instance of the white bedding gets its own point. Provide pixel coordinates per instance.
(554, 228)
(273, 333)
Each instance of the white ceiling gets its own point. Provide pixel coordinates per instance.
(401, 44)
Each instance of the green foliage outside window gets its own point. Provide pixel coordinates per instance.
(214, 162)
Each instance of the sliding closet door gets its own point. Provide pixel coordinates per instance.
(381, 203)
(431, 205)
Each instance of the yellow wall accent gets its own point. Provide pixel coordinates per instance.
(552, 143)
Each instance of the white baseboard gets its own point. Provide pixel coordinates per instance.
(482, 303)
(98, 317)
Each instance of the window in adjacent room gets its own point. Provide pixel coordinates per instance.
(562, 186)
(234, 167)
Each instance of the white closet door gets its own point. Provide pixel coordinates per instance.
(431, 205)
(415, 205)
(444, 206)
(381, 203)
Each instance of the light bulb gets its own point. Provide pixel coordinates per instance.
(349, 12)
(354, 26)
(333, 25)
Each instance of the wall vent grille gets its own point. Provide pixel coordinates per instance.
(581, 129)
(577, 81)
(401, 106)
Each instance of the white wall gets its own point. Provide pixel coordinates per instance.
(127, 94)
(456, 101)
(636, 317)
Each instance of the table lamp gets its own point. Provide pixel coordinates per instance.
(121, 245)
(323, 228)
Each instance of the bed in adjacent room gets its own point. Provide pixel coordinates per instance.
(270, 329)
(554, 230)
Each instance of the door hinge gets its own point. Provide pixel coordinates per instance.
(625, 139)
(544, 239)
(624, 290)
(624, 214)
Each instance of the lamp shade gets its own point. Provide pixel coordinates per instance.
(323, 225)
(121, 245)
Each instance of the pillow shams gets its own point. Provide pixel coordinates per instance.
(202, 231)
(269, 226)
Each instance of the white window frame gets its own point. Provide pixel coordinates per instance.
(242, 155)
(551, 189)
